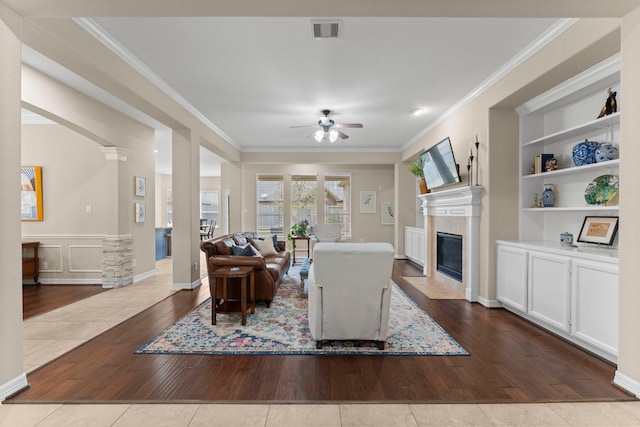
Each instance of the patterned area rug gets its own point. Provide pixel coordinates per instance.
(283, 329)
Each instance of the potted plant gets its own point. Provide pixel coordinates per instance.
(416, 169)
(298, 229)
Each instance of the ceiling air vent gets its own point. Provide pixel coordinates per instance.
(326, 29)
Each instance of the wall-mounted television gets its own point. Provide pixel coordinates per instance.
(439, 165)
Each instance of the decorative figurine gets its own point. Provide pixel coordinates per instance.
(611, 106)
(535, 200)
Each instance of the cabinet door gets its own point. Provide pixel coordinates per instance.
(549, 287)
(594, 302)
(512, 277)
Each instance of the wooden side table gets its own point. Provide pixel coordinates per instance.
(293, 245)
(31, 265)
(225, 273)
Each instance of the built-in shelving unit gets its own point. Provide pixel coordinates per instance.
(572, 291)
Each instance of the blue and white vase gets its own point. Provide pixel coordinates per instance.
(548, 196)
(606, 152)
(584, 153)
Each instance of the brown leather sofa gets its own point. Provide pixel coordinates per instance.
(268, 270)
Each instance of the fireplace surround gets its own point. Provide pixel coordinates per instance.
(455, 211)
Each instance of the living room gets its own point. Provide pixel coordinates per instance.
(584, 44)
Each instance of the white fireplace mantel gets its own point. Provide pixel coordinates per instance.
(459, 202)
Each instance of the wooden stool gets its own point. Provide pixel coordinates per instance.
(227, 306)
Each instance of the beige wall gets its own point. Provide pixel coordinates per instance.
(93, 124)
(629, 316)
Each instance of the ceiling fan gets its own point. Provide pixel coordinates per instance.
(329, 128)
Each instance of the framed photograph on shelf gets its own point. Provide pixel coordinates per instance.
(388, 213)
(140, 212)
(140, 184)
(367, 202)
(31, 193)
(599, 229)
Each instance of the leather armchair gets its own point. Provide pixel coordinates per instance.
(350, 292)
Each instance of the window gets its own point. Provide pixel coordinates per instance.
(270, 195)
(169, 207)
(337, 202)
(209, 206)
(303, 195)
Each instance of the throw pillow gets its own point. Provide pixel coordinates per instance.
(242, 250)
(275, 243)
(265, 247)
(256, 252)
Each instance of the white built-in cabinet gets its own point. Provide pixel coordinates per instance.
(414, 245)
(571, 291)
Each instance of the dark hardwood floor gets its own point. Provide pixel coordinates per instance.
(510, 360)
(41, 299)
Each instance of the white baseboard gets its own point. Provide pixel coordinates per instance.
(145, 275)
(184, 286)
(627, 383)
(490, 303)
(66, 281)
(13, 386)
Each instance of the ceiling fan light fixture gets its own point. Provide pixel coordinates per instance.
(333, 135)
(319, 135)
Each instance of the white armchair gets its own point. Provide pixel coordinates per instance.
(350, 292)
(325, 233)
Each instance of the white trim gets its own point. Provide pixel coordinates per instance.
(105, 38)
(627, 383)
(462, 202)
(15, 385)
(183, 286)
(116, 153)
(145, 275)
(609, 67)
(61, 236)
(522, 56)
(74, 281)
(489, 303)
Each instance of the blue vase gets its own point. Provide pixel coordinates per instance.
(548, 197)
(584, 153)
(606, 152)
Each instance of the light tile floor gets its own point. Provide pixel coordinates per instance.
(52, 334)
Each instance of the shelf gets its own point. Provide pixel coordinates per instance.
(573, 132)
(573, 209)
(574, 169)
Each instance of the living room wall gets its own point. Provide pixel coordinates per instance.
(74, 181)
(366, 227)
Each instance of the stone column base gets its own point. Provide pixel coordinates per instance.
(117, 264)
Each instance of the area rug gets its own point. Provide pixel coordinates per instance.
(283, 329)
(433, 289)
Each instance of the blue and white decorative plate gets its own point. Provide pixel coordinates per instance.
(601, 190)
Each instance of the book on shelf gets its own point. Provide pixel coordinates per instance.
(539, 162)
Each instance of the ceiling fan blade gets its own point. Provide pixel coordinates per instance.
(348, 125)
(343, 135)
(302, 126)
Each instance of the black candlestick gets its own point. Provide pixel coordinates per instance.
(469, 166)
(478, 156)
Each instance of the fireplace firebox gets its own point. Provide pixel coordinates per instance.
(449, 255)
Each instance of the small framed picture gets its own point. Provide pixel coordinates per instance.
(388, 214)
(367, 202)
(140, 186)
(140, 212)
(599, 229)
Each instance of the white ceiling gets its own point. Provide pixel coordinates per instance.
(253, 78)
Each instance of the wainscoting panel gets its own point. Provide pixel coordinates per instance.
(85, 259)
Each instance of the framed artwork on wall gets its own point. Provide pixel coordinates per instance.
(598, 229)
(388, 214)
(31, 193)
(140, 212)
(367, 202)
(140, 186)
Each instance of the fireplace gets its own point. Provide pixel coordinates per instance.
(449, 255)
